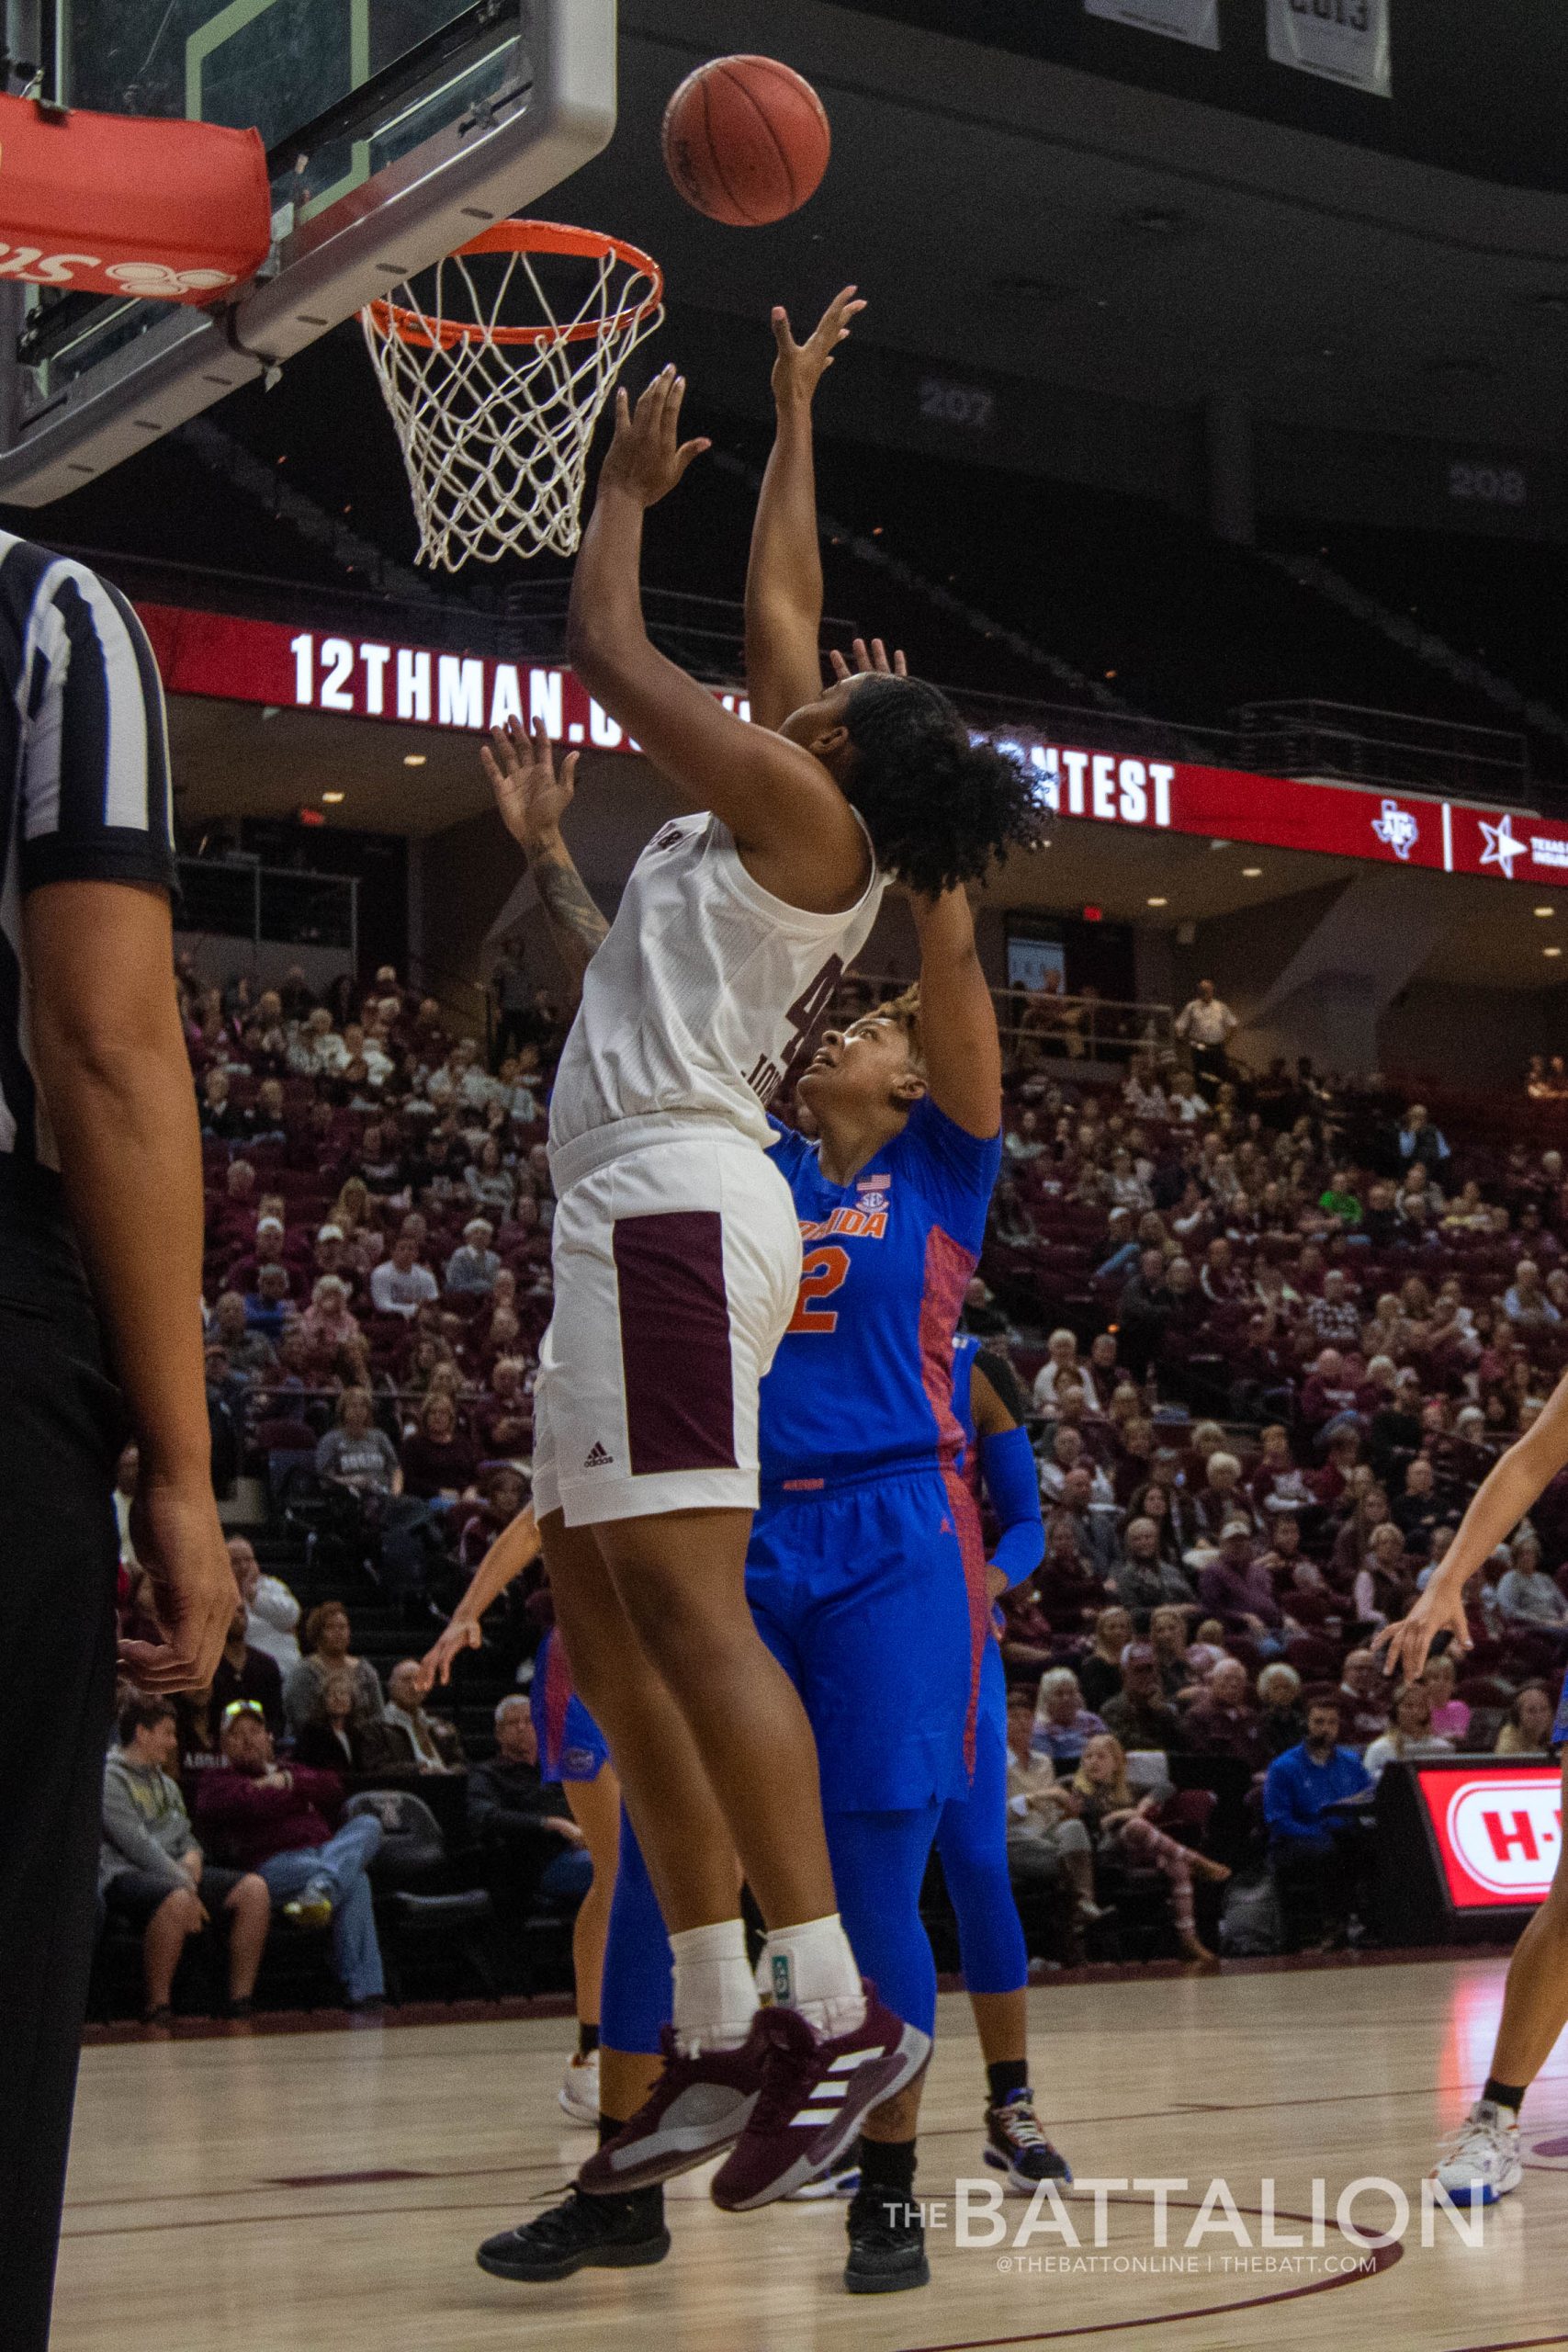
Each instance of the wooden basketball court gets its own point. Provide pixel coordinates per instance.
(297, 2191)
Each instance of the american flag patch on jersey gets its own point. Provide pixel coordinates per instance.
(873, 1183)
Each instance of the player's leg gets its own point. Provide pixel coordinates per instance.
(661, 1774)
(868, 1589)
(595, 1806)
(1483, 2162)
(619, 2226)
(681, 1581)
(879, 1866)
(666, 1794)
(682, 1584)
(972, 1842)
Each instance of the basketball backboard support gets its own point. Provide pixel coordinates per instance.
(395, 130)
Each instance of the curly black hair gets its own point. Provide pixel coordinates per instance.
(940, 809)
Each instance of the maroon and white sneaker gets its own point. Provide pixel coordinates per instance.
(700, 2104)
(815, 2093)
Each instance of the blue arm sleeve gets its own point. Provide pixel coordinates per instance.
(1012, 1487)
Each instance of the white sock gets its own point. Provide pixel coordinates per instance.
(811, 1968)
(716, 1999)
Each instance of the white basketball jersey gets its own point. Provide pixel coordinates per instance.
(705, 992)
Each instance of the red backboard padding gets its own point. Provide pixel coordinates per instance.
(125, 204)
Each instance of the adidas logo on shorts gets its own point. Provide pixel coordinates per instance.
(598, 1459)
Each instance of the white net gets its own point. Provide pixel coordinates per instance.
(495, 387)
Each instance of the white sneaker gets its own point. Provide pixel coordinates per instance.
(1481, 2162)
(843, 2180)
(579, 2090)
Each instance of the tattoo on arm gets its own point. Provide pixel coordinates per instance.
(575, 921)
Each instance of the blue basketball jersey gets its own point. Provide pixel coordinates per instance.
(863, 1380)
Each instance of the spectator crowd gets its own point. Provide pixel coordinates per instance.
(1269, 1333)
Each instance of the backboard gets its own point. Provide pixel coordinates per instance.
(395, 129)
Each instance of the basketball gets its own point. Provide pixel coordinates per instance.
(745, 141)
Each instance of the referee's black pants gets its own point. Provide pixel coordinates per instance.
(60, 1431)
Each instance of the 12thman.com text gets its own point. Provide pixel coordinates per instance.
(1196, 2230)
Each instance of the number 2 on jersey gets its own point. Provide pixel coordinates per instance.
(822, 1273)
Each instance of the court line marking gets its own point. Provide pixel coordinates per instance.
(937, 2132)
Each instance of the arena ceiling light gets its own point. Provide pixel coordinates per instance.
(1551, 951)
(1159, 902)
(1251, 873)
(332, 799)
(413, 759)
(1546, 913)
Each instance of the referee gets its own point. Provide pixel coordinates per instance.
(100, 1323)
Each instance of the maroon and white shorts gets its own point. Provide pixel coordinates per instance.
(676, 1254)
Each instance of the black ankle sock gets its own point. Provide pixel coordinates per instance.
(648, 2202)
(1509, 2095)
(887, 2166)
(1009, 2075)
(587, 2040)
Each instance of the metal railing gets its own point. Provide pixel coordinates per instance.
(238, 897)
(1038, 1027)
(1383, 747)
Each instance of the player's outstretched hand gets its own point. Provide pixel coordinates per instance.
(800, 367)
(1405, 1644)
(530, 795)
(647, 458)
(436, 1665)
(872, 660)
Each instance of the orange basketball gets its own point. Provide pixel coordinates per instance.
(745, 141)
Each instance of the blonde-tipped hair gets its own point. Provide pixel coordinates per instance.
(906, 1010)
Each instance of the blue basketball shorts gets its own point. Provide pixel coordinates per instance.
(871, 1601)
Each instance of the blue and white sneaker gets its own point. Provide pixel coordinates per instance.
(1480, 2162)
(841, 2181)
(1015, 2144)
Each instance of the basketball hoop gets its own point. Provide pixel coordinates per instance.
(495, 388)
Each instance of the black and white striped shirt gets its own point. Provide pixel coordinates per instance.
(84, 779)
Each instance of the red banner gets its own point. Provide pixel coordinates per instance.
(1498, 1834)
(359, 676)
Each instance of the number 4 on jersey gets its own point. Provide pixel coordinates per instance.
(806, 1017)
(807, 1013)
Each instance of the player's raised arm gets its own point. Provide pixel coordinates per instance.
(1496, 1508)
(800, 836)
(533, 800)
(784, 578)
(958, 1021)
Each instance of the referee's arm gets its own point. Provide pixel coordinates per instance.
(115, 1086)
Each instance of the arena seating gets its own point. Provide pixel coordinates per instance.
(1285, 1222)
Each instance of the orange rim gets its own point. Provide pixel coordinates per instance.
(529, 237)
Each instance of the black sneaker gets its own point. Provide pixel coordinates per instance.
(887, 2244)
(1015, 2144)
(582, 2233)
